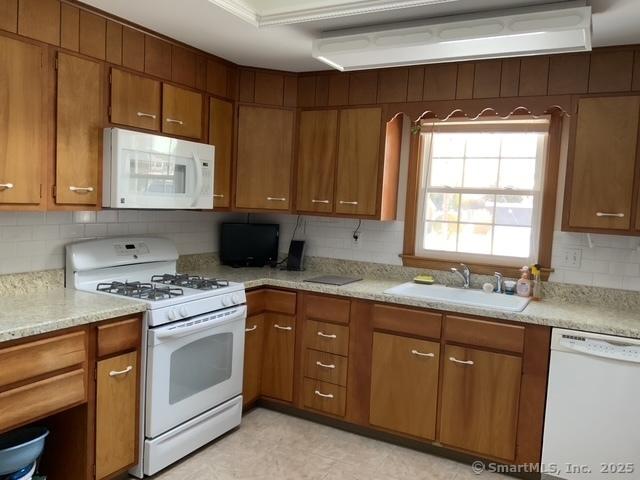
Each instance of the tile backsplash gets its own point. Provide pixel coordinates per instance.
(31, 241)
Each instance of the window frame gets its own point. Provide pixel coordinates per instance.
(414, 256)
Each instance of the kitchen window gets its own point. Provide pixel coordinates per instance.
(480, 189)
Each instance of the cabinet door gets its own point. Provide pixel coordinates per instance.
(22, 132)
(78, 130)
(181, 112)
(404, 384)
(263, 177)
(135, 101)
(316, 160)
(221, 136)
(358, 161)
(479, 401)
(604, 159)
(277, 365)
(253, 343)
(116, 414)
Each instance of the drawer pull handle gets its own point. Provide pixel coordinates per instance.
(421, 354)
(276, 199)
(323, 395)
(605, 214)
(6, 186)
(117, 373)
(81, 189)
(344, 202)
(320, 364)
(174, 120)
(326, 335)
(251, 329)
(313, 200)
(218, 195)
(146, 115)
(282, 328)
(464, 362)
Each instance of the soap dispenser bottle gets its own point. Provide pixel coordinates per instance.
(523, 287)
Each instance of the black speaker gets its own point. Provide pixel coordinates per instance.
(295, 260)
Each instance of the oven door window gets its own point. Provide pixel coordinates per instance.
(200, 365)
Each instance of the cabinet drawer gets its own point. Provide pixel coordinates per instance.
(33, 359)
(484, 333)
(319, 307)
(255, 302)
(280, 302)
(324, 397)
(119, 337)
(39, 399)
(326, 367)
(406, 320)
(327, 337)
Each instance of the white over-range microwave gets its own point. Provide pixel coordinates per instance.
(142, 170)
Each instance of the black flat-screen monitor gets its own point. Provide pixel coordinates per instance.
(249, 244)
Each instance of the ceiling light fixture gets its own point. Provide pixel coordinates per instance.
(548, 29)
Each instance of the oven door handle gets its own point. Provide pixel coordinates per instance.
(211, 325)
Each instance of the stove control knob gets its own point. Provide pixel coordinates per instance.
(172, 315)
(226, 301)
(184, 312)
(236, 298)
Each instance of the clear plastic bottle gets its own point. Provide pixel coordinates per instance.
(523, 287)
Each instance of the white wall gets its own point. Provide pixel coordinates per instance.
(35, 241)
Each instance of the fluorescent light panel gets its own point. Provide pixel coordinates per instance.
(531, 31)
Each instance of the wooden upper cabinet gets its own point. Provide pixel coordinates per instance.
(22, 125)
(221, 137)
(404, 384)
(135, 100)
(599, 188)
(78, 130)
(316, 160)
(358, 161)
(116, 414)
(479, 401)
(181, 112)
(263, 176)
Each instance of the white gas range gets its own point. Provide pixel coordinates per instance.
(193, 342)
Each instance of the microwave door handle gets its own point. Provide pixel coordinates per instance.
(199, 180)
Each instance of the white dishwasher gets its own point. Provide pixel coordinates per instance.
(592, 422)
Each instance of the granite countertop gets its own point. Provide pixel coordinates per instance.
(38, 312)
(556, 312)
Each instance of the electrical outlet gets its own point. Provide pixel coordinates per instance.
(570, 257)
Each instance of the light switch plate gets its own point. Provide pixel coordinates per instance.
(570, 257)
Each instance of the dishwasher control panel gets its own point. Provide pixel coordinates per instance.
(624, 349)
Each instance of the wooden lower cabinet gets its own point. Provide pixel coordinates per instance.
(404, 384)
(253, 346)
(116, 414)
(278, 356)
(479, 401)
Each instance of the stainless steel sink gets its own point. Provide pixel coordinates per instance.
(460, 296)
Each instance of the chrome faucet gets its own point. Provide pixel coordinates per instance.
(499, 287)
(465, 274)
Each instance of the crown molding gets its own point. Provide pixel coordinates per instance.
(300, 15)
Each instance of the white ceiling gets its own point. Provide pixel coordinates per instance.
(288, 47)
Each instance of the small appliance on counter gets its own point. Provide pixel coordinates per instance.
(249, 244)
(295, 259)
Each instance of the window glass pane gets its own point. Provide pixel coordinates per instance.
(442, 206)
(480, 172)
(483, 145)
(514, 210)
(448, 145)
(477, 208)
(520, 144)
(440, 236)
(518, 173)
(446, 172)
(475, 239)
(512, 241)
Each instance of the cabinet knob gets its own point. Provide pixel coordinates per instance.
(81, 189)
(6, 186)
(323, 395)
(218, 195)
(276, 199)
(174, 120)
(344, 202)
(251, 329)
(118, 373)
(323, 365)
(146, 115)
(464, 362)
(326, 335)
(282, 328)
(606, 214)
(422, 354)
(313, 200)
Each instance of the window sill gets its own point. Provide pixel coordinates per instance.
(476, 268)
